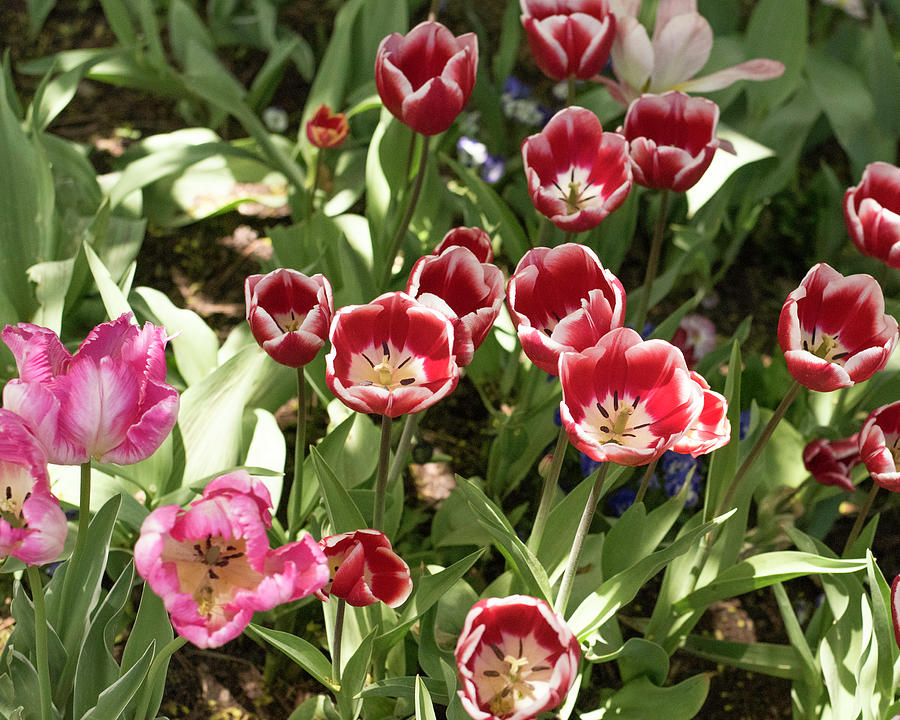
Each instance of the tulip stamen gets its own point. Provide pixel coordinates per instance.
(510, 680)
(617, 425)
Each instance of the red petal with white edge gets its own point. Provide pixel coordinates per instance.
(895, 608)
(877, 438)
(473, 238)
(39, 354)
(712, 428)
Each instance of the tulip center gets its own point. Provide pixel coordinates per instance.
(828, 348)
(290, 321)
(511, 677)
(211, 570)
(620, 422)
(391, 372)
(573, 190)
(14, 493)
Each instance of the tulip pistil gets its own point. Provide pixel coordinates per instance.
(614, 427)
(511, 678)
(828, 348)
(574, 198)
(387, 374)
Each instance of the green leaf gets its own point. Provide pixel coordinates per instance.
(353, 679)
(342, 511)
(185, 27)
(777, 30)
(492, 519)
(496, 217)
(763, 570)
(120, 21)
(151, 627)
(97, 668)
(769, 659)
(297, 649)
(639, 657)
(115, 698)
(850, 109)
(405, 687)
(620, 589)
(210, 417)
(424, 706)
(429, 589)
(113, 298)
(641, 699)
(194, 343)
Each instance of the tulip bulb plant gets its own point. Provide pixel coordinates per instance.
(593, 442)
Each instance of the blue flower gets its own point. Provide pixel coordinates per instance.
(677, 468)
(588, 464)
(493, 169)
(515, 88)
(745, 424)
(620, 501)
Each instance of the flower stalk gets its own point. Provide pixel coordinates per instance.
(384, 457)
(295, 501)
(653, 260)
(861, 519)
(548, 490)
(40, 639)
(584, 525)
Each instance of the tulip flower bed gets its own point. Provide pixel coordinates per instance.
(559, 379)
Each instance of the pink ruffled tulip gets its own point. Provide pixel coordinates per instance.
(671, 138)
(895, 609)
(872, 213)
(212, 565)
(364, 569)
(391, 357)
(681, 44)
(425, 78)
(516, 658)
(833, 330)
(562, 299)
(695, 336)
(467, 291)
(473, 238)
(830, 462)
(577, 174)
(879, 446)
(712, 429)
(109, 401)
(326, 129)
(569, 38)
(289, 314)
(32, 525)
(627, 400)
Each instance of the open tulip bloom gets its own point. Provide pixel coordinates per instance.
(879, 446)
(516, 657)
(569, 38)
(872, 213)
(391, 357)
(425, 78)
(212, 565)
(577, 174)
(833, 330)
(32, 525)
(681, 44)
(627, 400)
(289, 314)
(671, 138)
(108, 401)
(562, 299)
(467, 291)
(364, 569)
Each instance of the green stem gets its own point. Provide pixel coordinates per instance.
(861, 519)
(295, 501)
(317, 168)
(758, 447)
(400, 233)
(40, 640)
(570, 90)
(645, 481)
(568, 579)
(652, 261)
(159, 664)
(410, 426)
(548, 491)
(84, 505)
(338, 635)
(384, 457)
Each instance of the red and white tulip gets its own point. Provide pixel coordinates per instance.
(872, 213)
(473, 238)
(467, 291)
(577, 173)
(516, 658)
(833, 330)
(627, 400)
(830, 462)
(391, 356)
(879, 446)
(562, 299)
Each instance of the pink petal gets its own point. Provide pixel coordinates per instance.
(680, 51)
(758, 70)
